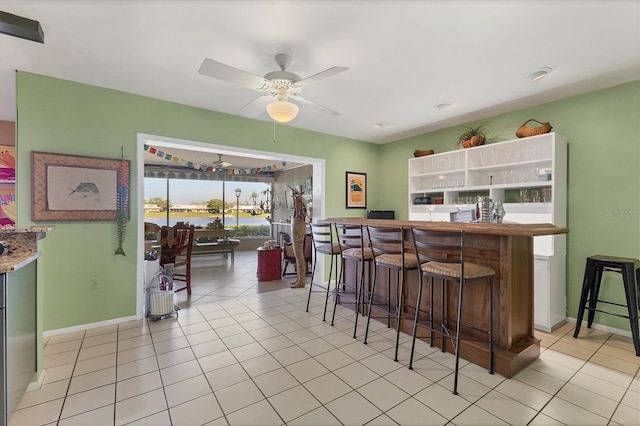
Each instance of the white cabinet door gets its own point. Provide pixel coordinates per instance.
(541, 318)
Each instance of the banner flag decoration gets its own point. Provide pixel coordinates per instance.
(204, 168)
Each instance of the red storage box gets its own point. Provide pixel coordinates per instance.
(269, 264)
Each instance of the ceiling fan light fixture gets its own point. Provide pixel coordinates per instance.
(282, 111)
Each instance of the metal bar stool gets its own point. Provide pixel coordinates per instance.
(589, 300)
(388, 246)
(352, 248)
(323, 243)
(442, 256)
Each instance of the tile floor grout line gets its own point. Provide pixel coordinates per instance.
(75, 363)
(283, 302)
(260, 390)
(556, 394)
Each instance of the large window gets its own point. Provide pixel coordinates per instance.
(200, 203)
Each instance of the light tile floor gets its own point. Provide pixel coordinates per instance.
(257, 358)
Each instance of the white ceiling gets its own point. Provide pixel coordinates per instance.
(405, 57)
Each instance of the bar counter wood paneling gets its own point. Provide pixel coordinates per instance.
(508, 249)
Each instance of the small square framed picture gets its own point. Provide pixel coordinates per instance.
(356, 187)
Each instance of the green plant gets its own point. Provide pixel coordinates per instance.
(470, 130)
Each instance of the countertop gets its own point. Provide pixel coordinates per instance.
(22, 230)
(13, 262)
(21, 246)
(516, 229)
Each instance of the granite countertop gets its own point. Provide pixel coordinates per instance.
(13, 262)
(20, 246)
(21, 230)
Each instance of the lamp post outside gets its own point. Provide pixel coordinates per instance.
(238, 192)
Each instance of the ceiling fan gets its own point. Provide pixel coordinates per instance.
(220, 163)
(280, 84)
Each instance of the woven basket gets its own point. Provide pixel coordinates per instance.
(422, 152)
(476, 140)
(524, 131)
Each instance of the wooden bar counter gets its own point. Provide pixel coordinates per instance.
(508, 249)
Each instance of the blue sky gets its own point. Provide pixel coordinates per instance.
(185, 191)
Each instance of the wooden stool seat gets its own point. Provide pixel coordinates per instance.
(322, 235)
(352, 248)
(442, 256)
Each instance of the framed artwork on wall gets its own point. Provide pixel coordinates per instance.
(72, 187)
(7, 164)
(288, 199)
(356, 187)
(7, 207)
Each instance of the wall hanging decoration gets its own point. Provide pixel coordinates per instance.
(220, 168)
(524, 131)
(356, 187)
(72, 187)
(122, 204)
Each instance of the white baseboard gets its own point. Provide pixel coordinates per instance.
(600, 327)
(89, 326)
(36, 384)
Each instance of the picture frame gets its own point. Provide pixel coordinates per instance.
(7, 164)
(72, 187)
(308, 184)
(356, 190)
(288, 199)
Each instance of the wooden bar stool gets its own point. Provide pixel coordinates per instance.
(352, 248)
(324, 244)
(589, 300)
(388, 245)
(442, 256)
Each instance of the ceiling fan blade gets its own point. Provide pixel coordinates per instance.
(220, 71)
(322, 74)
(253, 103)
(307, 101)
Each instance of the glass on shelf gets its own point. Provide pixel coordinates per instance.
(528, 195)
(430, 208)
(487, 157)
(461, 203)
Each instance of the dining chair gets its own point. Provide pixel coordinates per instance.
(184, 241)
(288, 256)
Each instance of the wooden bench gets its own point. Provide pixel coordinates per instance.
(225, 247)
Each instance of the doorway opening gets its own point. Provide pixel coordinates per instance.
(317, 198)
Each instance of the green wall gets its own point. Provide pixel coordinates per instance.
(66, 117)
(602, 128)
(603, 135)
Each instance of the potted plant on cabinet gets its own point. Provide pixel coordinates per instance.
(472, 135)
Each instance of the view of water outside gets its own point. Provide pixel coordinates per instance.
(184, 191)
(230, 220)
